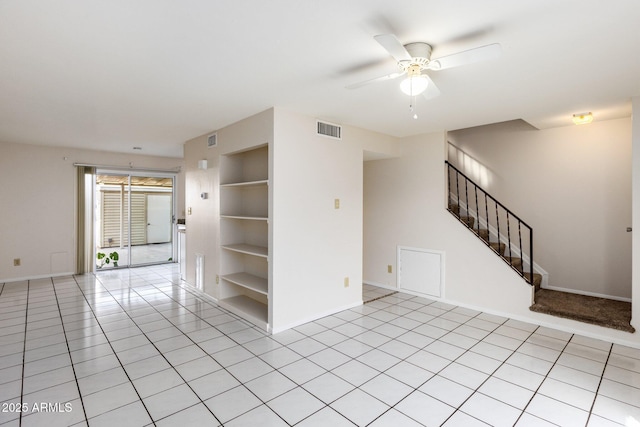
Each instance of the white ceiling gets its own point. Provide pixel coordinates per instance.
(116, 74)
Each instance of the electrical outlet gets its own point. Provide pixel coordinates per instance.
(336, 203)
(346, 282)
(16, 262)
(217, 279)
(389, 268)
(189, 211)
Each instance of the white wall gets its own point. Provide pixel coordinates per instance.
(314, 246)
(404, 204)
(38, 205)
(203, 224)
(572, 185)
(317, 246)
(202, 215)
(635, 159)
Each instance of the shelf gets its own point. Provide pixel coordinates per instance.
(247, 308)
(260, 183)
(249, 281)
(244, 234)
(248, 249)
(246, 217)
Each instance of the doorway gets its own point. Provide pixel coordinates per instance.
(134, 216)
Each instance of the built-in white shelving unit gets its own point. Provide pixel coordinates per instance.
(244, 234)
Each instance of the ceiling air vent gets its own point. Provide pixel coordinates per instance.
(212, 140)
(330, 130)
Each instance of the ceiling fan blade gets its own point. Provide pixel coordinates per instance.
(393, 46)
(432, 90)
(482, 53)
(377, 79)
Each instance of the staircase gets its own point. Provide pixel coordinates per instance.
(512, 240)
(500, 229)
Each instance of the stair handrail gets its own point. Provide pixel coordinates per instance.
(508, 212)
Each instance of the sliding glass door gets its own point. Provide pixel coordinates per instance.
(134, 219)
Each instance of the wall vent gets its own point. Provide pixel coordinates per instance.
(329, 130)
(200, 271)
(212, 140)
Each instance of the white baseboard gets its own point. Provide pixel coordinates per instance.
(551, 324)
(590, 294)
(40, 276)
(548, 324)
(380, 285)
(202, 294)
(315, 317)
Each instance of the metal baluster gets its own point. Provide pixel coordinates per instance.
(466, 198)
(509, 238)
(458, 191)
(498, 207)
(497, 221)
(477, 210)
(486, 211)
(448, 186)
(531, 253)
(520, 245)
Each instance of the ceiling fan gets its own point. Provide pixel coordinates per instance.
(414, 60)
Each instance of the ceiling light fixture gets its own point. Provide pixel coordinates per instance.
(582, 118)
(415, 83)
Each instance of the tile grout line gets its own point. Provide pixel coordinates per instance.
(505, 362)
(599, 384)
(370, 329)
(188, 305)
(64, 331)
(24, 349)
(443, 368)
(236, 318)
(112, 349)
(195, 343)
(522, 411)
(535, 393)
(476, 390)
(379, 373)
(160, 352)
(274, 369)
(376, 348)
(467, 350)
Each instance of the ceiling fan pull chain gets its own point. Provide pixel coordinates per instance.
(413, 108)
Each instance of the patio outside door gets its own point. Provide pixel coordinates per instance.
(134, 219)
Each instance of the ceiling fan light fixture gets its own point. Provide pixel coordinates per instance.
(414, 85)
(582, 118)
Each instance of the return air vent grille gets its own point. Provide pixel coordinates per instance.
(329, 130)
(212, 140)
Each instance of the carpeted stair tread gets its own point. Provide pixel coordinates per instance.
(514, 261)
(469, 220)
(598, 311)
(537, 279)
(483, 233)
(498, 247)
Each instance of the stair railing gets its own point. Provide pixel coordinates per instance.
(477, 204)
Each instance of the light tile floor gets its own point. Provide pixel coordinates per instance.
(135, 347)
